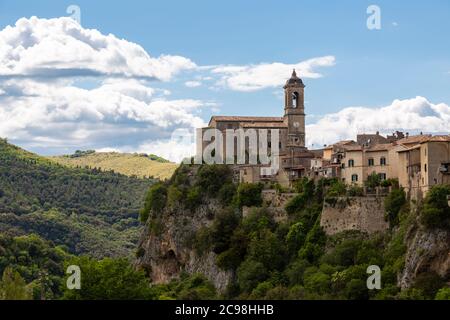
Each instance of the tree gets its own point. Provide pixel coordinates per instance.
(154, 201)
(13, 286)
(250, 274)
(393, 204)
(436, 212)
(249, 195)
(109, 279)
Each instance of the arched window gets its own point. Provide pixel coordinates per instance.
(295, 100)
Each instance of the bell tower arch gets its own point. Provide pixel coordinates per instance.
(294, 110)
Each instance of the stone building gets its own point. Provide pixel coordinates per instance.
(294, 158)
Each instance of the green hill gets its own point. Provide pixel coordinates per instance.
(140, 165)
(88, 211)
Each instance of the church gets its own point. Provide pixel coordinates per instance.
(294, 158)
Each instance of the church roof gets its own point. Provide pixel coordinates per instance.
(294, 80)
(245, 119)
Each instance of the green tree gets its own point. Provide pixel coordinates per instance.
(393, 204)
(443, 294)
(249, 195)
(436, 212)
(109, 279)
(13, 286)
(155, 200)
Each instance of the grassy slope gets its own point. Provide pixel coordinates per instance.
(124, 163)
(88, 211)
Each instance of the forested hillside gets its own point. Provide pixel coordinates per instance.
(140, 165)
(88, 211)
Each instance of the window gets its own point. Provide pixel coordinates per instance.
(371, 162)
(425, 167)
(280, 145)
(295, 100)
(354, 178)
(269, 144)
(351, 163)
(382, 176)
(230, 126)
(382, 161)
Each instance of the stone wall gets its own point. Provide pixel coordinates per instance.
(275, 204)
(357, 213)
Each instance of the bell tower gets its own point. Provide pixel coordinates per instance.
(294, 111)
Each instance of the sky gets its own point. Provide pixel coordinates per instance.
(139, 76)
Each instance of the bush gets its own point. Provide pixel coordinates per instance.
(436, 212)
(355, 191)
(222, 229)
(443, 294)
(296, 204)
(337, 189)
(429, 284)
(373, 180)
(249, 195)
(227, 193)
(155, 201)
(393, 204)
(250, 273)
(211, 178)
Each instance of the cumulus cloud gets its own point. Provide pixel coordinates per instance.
(267, 75)
(60, 47)
(116, 114)
(63, 87)
(409, 115)
(192, 84)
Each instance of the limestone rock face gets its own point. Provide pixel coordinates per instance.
(427, 251)
(167, 252)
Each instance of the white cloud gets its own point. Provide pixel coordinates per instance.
(60, 47)
(267, 75)
(49, 100)
(410, 115)
(192, 84)
(117, 115)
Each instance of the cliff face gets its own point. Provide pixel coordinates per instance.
(167, 252)
(427, 251)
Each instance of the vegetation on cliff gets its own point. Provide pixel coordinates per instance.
(294, 259)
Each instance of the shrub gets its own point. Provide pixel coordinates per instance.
(250, 273)
(337, 189)
(429, 284)
(294, 272)
(392, 205)
(355, 191)
(443, 294)
(296, 204)
(373, 180)
(193, 198)
(227, 193)
(249, 195)
(222, 229)
(155, 200)
(436, 212)
(211, 178)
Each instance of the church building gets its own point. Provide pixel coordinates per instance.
(294, 158)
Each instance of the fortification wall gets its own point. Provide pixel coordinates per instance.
(356, 213)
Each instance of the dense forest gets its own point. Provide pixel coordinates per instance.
(86, 210)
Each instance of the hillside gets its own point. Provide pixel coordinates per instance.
(196, 224)
(88, 211)
(140, 165)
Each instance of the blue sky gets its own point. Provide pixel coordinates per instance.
(408, 57)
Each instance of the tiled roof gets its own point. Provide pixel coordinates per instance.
(247, 119)
(380, 147)
(413, 139)
(437, 139)
(265, 125)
